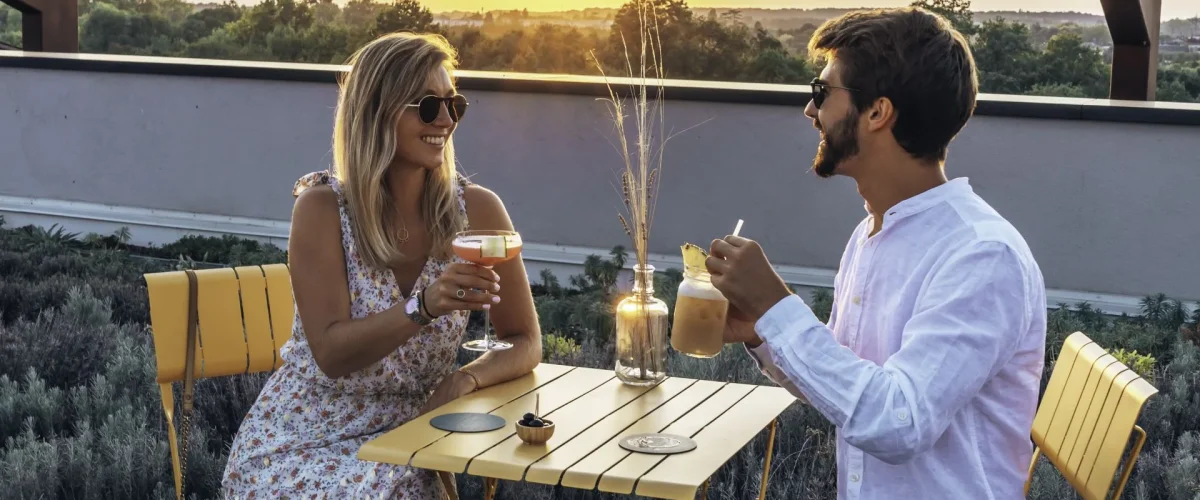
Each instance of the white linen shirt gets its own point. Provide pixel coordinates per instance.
(931, 361)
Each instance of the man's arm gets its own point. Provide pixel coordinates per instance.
(765, 362)
(767, 366)
(964, 328)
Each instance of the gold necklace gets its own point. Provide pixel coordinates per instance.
(403, 231)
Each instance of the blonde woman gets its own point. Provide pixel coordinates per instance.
(381, 302)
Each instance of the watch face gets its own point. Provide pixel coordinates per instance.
(410, 306)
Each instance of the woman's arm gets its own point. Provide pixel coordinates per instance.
(340, 345)
(514, 318)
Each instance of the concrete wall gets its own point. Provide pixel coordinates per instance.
(1108, 208)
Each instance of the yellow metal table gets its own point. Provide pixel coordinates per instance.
(592, 411)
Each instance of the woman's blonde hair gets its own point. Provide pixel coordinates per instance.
(387, 74)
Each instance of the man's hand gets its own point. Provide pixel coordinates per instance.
(456, 385)
(740, 328)
(741, 271)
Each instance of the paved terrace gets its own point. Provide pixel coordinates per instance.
(1105, 191)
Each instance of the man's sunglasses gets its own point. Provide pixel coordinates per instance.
(820, 90)
(430, 106)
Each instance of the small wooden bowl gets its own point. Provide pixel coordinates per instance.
(535, 435)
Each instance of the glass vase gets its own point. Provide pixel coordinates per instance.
(641, 321)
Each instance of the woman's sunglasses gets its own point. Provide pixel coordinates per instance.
(430, 106)
(820, 90)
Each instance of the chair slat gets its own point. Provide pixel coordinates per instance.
(279, 297)
(256, 317)
(222, 334)
(168, 294)
(1069, 402)
(1080, 459)
(1058, 381)
(1071, 450)
(1133, 398)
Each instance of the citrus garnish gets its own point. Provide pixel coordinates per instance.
(693, 256)
(493, 247)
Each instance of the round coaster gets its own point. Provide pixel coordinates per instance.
(467, 422)
(657, 444)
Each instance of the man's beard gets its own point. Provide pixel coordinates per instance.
(841, 143)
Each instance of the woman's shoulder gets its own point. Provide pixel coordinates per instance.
(316, 197)
(485, 209)
(481, 197)
(320, 181)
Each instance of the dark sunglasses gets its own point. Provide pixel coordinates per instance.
(430, 106)
(820, 90)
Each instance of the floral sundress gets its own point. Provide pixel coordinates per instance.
(301, 437)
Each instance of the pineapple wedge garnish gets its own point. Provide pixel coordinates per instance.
(693, 256)
(493, 247)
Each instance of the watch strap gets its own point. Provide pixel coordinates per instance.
(415, 315)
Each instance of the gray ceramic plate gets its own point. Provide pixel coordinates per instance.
(657, 444)
(467, 422)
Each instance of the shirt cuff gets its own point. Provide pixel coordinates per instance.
(789, 314)
(758, 354)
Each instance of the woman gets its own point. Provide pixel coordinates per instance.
(381, 302)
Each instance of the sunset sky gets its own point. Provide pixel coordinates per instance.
(1170, 8)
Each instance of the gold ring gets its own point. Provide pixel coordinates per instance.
(460, 293)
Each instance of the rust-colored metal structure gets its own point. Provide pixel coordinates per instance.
(48, 25)
(1134, 26)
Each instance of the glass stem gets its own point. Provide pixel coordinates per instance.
(487, 328)
(487, 322)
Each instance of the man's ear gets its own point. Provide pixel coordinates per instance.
(880, 115)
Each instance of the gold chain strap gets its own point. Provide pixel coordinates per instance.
(189, 381)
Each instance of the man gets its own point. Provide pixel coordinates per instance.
(930, 363)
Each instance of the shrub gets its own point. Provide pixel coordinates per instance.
(67, 345)
(1141, 364)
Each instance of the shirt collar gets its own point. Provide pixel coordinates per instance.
(951, 189)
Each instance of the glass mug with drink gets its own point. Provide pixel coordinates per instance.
(700, 309)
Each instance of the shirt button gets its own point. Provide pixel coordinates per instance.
(857, 300)
(854, 477)
(902, 415)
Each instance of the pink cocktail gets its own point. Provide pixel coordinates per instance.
(487, 248)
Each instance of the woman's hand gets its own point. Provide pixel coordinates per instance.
(456, 385)
(456, 289)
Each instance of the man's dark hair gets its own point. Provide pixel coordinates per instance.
(913, 57)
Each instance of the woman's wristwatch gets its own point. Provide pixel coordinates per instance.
(415, 309)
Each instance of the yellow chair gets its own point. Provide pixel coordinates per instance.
(213, 323)
(1087, 414)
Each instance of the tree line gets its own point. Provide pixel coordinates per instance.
(1013, 58)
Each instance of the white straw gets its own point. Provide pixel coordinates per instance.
(738, 228)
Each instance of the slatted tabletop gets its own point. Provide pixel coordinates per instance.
(592, 410)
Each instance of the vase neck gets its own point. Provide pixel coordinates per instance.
(643, 280)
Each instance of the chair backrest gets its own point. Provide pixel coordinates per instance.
(244, 315)
(1087, 415)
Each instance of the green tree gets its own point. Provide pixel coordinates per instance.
(958, 12)
(111, 30)
(404, 15)
(671, 27)
(1068, 61)
(1057, 90)
(360, 13)
(263, 19)
(202, 23)
(1179, 81)
(1004, 55)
